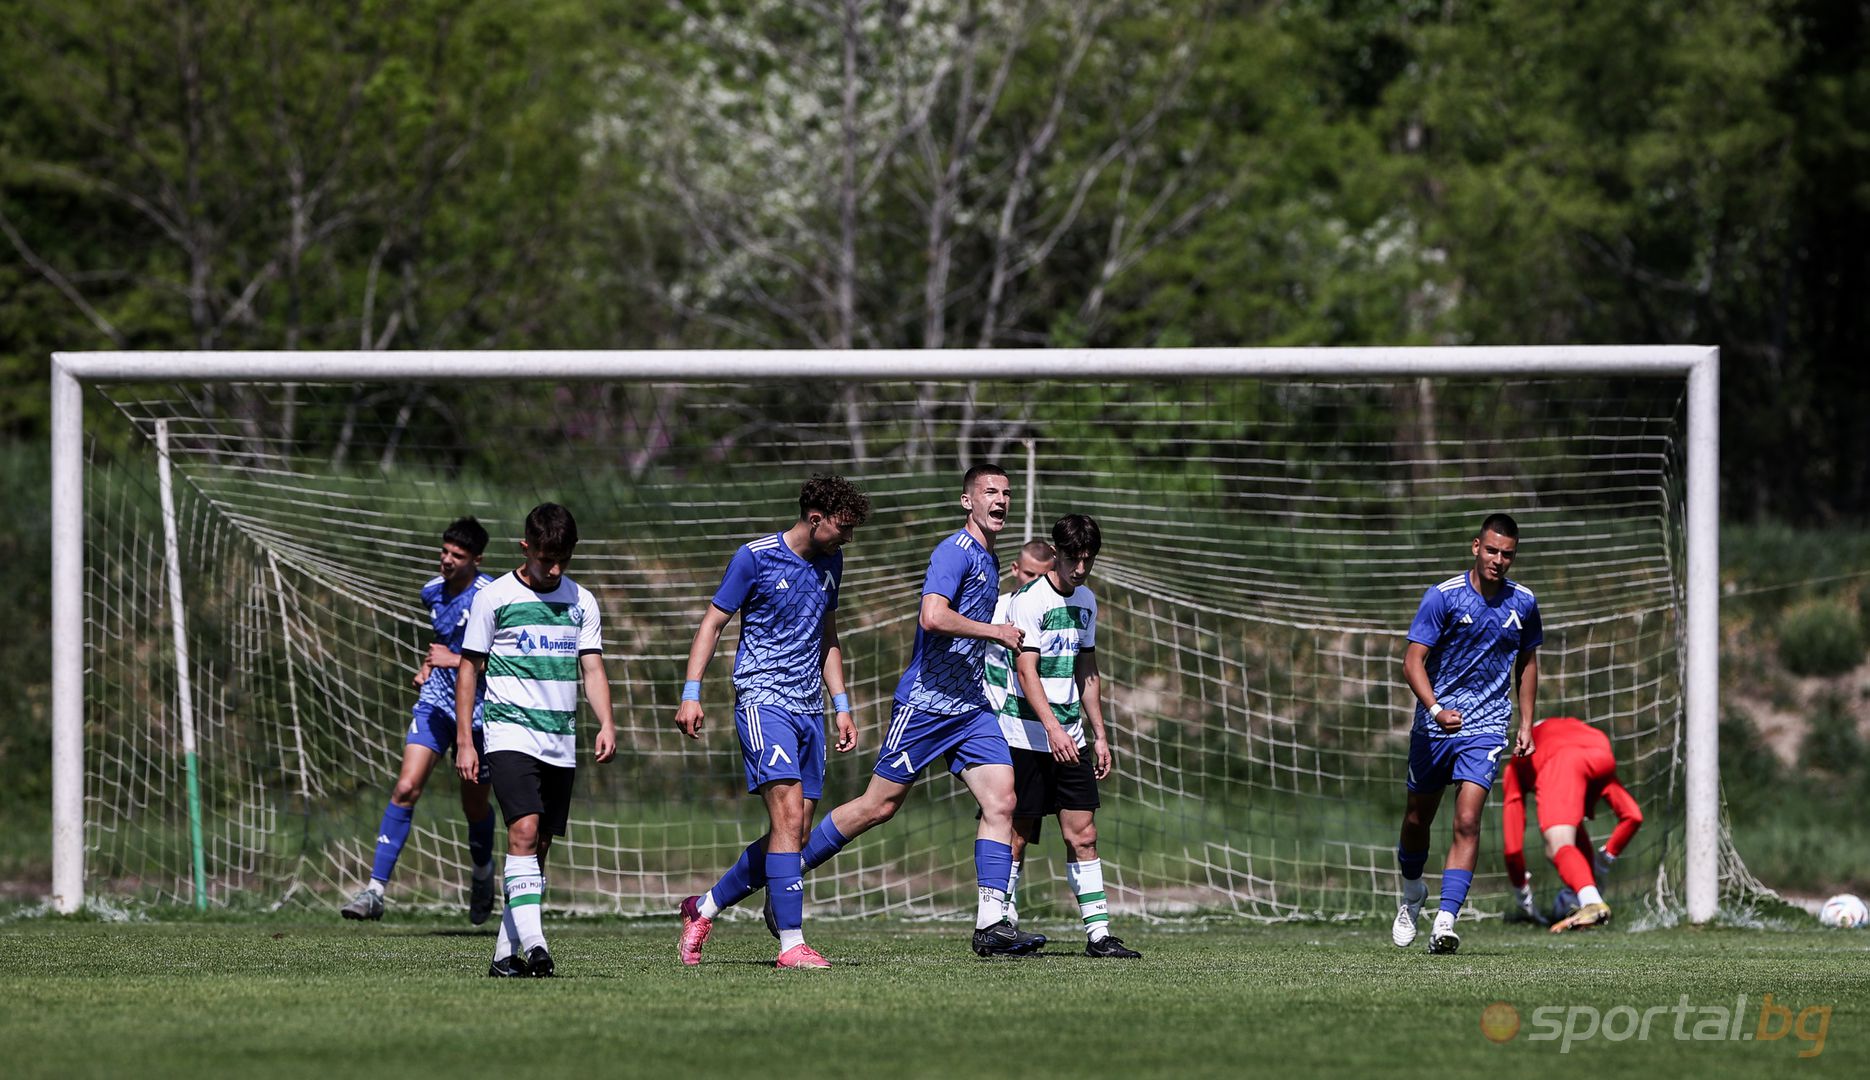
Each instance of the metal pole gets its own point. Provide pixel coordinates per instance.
(1659, 361)
(67, 641)
(184, 690)
(1702, 761)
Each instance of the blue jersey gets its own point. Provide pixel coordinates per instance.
(448, 616)
(1472, 644)
(945, 672)
(782, 600)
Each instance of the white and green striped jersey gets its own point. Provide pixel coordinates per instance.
(999, 667)
(532, 641)
(1058, 628)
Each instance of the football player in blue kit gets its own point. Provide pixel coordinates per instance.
(431, 734)
(941, 709)
(1472, 655)
(784, 586)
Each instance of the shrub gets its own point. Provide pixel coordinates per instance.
(1820, 638)
(1832, 745)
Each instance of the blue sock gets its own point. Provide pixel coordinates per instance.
(824, 842)
(1454, 885)
(480, 840)
(1412, 863)
(786, 885)
(993, 864)
(748, 873)
(392, 834)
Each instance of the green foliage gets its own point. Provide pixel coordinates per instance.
(1833, 745)
(1821, 638)
(26, 652)
(1751, 773)
(569, 174)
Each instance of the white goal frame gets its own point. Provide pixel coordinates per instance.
(1700, 365)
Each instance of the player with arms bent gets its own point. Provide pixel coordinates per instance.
(1055, 770)
(941, 709)
(431, 733)
(785, 588)
(1475, 638)
(535, 635)
(1571, 767)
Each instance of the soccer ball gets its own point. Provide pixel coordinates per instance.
(1564, 905)
(1844, 911)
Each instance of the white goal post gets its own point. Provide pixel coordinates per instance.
(1699, 366)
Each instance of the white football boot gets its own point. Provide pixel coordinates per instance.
(1402, 931)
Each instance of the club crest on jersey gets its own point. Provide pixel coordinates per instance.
(825, 585)
(575, 614)
(1511, 622)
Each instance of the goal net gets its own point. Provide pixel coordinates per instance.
(1266, 544)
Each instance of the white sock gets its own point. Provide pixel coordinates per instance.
(1589, 895)
(1012, 883)
(790, 939)
(991, 910)
(525, 897)
(1087, 883)
(1444, 921)
(377, 886)
(709, 909)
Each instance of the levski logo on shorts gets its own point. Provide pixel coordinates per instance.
(779, 755)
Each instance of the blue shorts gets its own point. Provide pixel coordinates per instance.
(779, 745)
(914, 739)
(1436, 763)
(434, 728)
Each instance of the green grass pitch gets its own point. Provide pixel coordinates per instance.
(310, 996)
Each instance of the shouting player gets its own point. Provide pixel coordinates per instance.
(1571, 768)
(785, 588)
(941, 709)
(1473, 649)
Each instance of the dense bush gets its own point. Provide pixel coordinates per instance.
(1820, 638)
(1833, 746)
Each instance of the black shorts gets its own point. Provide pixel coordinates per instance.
(1043, 785)
(526, 786)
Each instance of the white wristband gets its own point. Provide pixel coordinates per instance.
(1434, 710)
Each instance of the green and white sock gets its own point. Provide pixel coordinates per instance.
(525, 898)
(1087, 881)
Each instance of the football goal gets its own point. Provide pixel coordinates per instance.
(240, 539)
